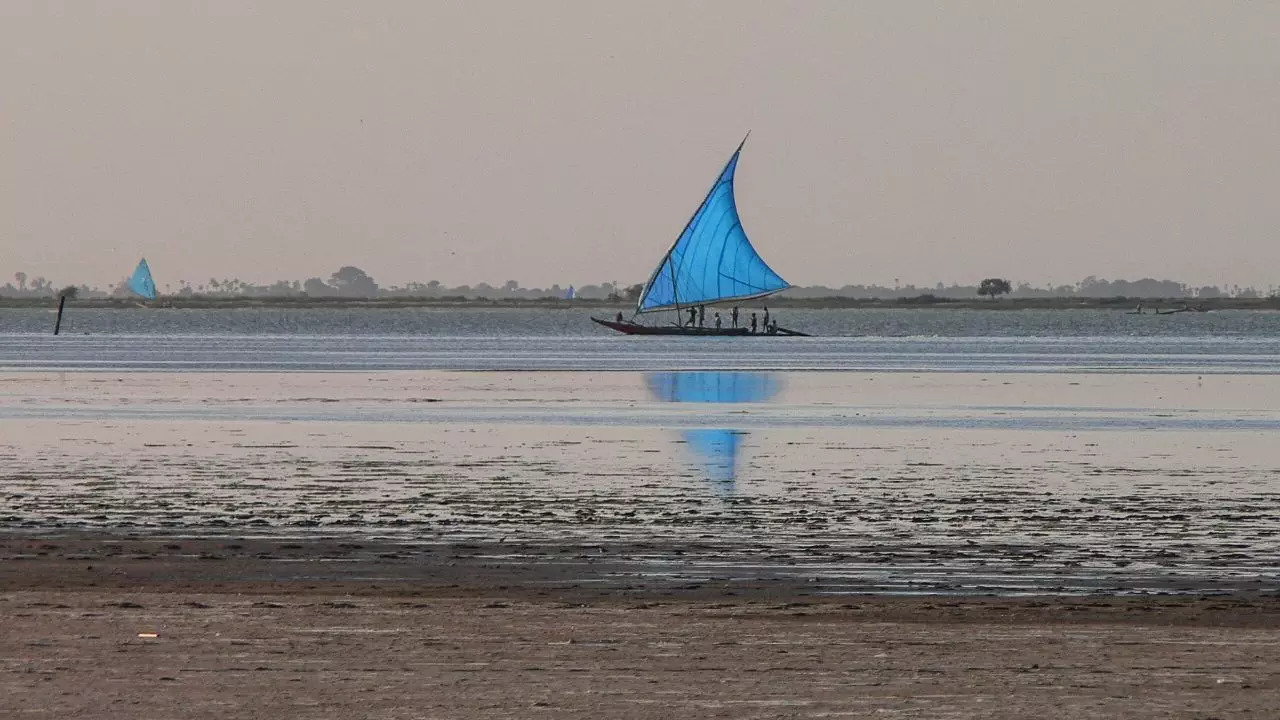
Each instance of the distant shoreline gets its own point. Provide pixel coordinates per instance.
(1119, 304)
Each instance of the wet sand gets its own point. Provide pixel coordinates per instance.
(338, 629)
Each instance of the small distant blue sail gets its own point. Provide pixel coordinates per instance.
(569, 294)
(712, 260)
(716, 449)
(140, 283)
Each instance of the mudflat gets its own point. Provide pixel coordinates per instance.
(137, 627)
(889, 482)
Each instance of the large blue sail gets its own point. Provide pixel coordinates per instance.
(712, 260)
(141, 283)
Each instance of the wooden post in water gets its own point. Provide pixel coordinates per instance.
(62, 301)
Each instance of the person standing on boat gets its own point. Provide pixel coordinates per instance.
(766, 317)
(693, 316)
(702, 316)
(619, 317)
(735, 316)
(717, 319)
(753, 323)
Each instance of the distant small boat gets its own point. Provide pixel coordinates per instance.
(711, 262)
(141, 283)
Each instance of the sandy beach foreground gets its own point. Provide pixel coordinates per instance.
(341, 629)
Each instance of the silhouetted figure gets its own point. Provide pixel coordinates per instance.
(717, 320)
(753, 323)
(735, 316)
(766, 317)
(693, 316)
(702, 316)
(619, 318)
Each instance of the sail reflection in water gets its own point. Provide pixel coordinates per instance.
(716, 449)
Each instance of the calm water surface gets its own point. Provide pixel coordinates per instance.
(1240, 342)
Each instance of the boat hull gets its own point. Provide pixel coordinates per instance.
(630, 328)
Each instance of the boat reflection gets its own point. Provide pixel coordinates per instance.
(715, 449)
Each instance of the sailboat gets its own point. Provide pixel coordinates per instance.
(141, 283)
(711, 262)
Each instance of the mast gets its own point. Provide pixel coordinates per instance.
(675, 287)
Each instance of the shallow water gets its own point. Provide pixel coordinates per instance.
(287, 353)
(570, 322)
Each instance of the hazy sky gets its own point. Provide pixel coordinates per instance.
(568, 142)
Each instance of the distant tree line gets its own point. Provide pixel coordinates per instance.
(352, 282)
(1090, 287)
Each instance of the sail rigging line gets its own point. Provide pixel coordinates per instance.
(720, 263)
(667, 258)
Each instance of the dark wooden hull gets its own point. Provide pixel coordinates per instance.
(630, 328)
